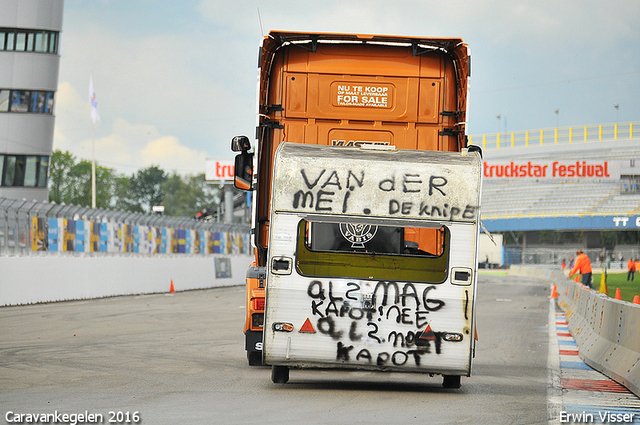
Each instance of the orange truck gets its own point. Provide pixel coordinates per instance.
(346, 91)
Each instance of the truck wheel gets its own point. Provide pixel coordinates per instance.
(451, 381)
(279, 374)
(254, 358)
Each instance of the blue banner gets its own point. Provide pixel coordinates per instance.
(599, 222)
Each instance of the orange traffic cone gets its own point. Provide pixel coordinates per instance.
(577, 279)
(172, 289)
(636, 300)
(618, 297)
(554, 292)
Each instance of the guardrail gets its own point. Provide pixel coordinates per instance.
(556, 136)
(605, 329)
(33, 228)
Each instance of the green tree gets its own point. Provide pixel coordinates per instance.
(59, 167)
(185, 196)
(142, 190)
(79, 185)
(70, 182)
(124, 198)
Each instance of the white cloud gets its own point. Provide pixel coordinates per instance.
(126, 147)
(176, 157)
(193, 83)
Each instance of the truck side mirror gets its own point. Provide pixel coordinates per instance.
(243, 177)
(240, 144)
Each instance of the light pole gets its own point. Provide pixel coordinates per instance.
(617, 108)
(557, 111)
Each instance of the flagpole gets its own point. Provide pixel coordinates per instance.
(93, 166)
(95, 117)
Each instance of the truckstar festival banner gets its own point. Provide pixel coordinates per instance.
(565, 169)
(219, 169)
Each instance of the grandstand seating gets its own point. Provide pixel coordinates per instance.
(518, 197)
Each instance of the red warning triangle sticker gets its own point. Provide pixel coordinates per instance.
(428, 334)
(307, 327)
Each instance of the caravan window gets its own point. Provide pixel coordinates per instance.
(368, 251)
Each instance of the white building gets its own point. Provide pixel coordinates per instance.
(29, 63)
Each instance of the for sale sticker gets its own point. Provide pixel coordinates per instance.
(362, 95)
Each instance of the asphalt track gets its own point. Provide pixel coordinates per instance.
(179, 359)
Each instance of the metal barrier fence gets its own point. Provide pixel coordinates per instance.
(556, 136)
(33, 228)
(548, 256)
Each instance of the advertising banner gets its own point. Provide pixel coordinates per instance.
(54, 235)
(39, 234)
(544, 169)
(80, 236)
(589, 222)
(219, 170)
(104, 237)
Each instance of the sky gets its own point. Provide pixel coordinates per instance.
(176, 80)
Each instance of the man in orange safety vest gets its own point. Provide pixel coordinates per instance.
(583, 265)
(631, 268)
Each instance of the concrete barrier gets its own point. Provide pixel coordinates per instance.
(606, 330)
(37, 279)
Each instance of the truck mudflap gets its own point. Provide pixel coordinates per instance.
(253, 345)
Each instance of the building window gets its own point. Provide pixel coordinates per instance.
(43, 171)
(42, 42)
(24, 170)
(36, 101)
(21, 42)
(9, 176)
(30, 171)
(4, 100)
(20, 100)
(26, 40)
(11, 37)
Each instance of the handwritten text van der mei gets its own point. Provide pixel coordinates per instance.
(557, 169)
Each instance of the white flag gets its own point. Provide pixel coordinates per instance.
(95, 115)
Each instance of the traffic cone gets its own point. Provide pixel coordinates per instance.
(172, 289)
(618, 297)
(554, 292)
(577, 279)
(603, 284)
(636, 300)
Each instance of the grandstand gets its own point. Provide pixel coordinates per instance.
(591, 205)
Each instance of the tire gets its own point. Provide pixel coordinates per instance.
(279, 374)
(254, 358)
(451, 381)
